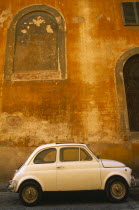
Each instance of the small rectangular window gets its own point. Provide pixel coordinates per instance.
(130, 12)
(74, 154)
(69, 154)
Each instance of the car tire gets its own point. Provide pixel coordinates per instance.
(30, 193)
(117, 189)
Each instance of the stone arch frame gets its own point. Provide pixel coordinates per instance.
(61, 73)
(121, 95)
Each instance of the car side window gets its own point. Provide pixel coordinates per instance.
(69, 154)
(84, 155)
(46, 156)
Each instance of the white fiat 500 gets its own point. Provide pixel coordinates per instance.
(69, 167)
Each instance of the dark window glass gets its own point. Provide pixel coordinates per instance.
(46, 156)
(72, 154)
(137, 7)
(69, 154)
(131, 80)
(129, 13)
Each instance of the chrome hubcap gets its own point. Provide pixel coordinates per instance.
(30, 194)
(118, 190)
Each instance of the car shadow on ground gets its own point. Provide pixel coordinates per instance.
(74, 197)
(69, 200)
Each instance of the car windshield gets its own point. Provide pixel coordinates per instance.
(93, 152)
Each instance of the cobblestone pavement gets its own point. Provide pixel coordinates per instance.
(70, 201)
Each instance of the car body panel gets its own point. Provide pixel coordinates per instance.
(107, 173)
(112, 163)
(78, 176)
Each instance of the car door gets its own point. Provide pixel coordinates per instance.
(77, 170)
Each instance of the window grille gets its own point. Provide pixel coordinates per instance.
(130, 12)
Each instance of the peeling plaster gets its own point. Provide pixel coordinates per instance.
(78, 19)
(49, 29)
(100, 16)
(4, 16)
(24, 31)
(38, 21)
(58, 19)
(108, 19)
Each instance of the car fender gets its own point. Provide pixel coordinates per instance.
(29, 177)
(104, 180)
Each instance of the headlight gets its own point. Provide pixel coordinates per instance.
(12, 185)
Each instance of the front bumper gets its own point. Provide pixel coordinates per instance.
(133, 181)
(12, 185)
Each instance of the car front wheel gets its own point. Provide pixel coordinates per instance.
(117, 190)
(30, 193)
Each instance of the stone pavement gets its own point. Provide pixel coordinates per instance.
(85, 200)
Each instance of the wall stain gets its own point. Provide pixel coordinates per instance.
(66, 104)
(4, 16)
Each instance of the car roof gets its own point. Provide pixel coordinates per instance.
(52, 145)
(59, 144)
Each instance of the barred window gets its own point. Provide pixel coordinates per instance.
(130, 12)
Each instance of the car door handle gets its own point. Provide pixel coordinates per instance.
(60, 167)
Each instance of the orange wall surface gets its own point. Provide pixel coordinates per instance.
(81, 108)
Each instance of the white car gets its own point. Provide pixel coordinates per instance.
(69, 167)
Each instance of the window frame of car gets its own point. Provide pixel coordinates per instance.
(75, 147)
(42, 151)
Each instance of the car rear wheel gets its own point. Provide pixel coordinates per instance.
(30, 193)
(117, 190)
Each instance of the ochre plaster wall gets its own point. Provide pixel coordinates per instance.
(82, 108)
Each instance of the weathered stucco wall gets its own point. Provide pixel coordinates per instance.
(81, 108)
